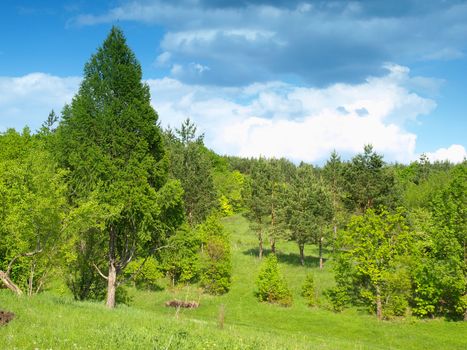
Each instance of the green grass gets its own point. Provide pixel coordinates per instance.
(50, 321)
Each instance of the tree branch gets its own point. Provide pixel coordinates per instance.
(100, 272)
(134, 274)
(10, 265)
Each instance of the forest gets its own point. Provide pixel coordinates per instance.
(102, 203)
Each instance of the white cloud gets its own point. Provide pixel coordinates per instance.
(163, 59)
(27, 100)
(454, 153)
(279, 119)
(271, 119)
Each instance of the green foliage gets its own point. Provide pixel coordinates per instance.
(110, 141)
(32, 209)
(181, 260)
(440, 275)
(265, 198)
(145, 273)
(229, 185)
(85, 248)
(216, 268)
(368, 182)
(190, 163)
(308, 290)
(271, 285)
(338, 297)
(371, 268)
(307, 208)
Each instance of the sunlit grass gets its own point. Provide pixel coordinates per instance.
(50, 321)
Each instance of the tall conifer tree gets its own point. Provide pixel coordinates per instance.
(113, 147)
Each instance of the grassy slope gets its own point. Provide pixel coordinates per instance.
(48, 321)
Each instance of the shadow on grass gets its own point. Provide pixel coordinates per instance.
(287, 258)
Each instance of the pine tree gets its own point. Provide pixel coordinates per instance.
(191, 165)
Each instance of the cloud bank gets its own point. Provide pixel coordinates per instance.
(274, 119)
(300, 123)
(237, 43)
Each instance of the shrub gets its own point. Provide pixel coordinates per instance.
(308, 290)
(272, 286)
(216, 260)
(145, 276)
(180, 261)
(338, 298)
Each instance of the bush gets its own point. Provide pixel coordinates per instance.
(308, 290)
(145, 276)
(272, 286)
(216, 260)
(180, 261)
(338, 298)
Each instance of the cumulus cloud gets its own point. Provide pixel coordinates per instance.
(316, 42)
(454, 154)
(27, 100)
(272, 119)
(282, 120)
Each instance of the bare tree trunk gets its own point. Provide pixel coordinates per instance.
(321, 253)
(112, 285)
(112, 276)
(5, 278)
(31, 279)
(379, 305)
(301, 247)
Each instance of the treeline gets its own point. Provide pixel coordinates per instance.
(397, 232)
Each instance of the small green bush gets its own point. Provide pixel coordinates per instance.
(338, 298)
(308, 290)
(144, 276)
(271, 285)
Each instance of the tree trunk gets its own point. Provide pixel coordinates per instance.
(321, 253)
(9, 283)
(302, 254)
(112, 276)
(31, 279)
(379, 305)
(112, 285)
(260, 238)
(273, 245)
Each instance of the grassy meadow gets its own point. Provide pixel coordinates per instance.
(52, 320)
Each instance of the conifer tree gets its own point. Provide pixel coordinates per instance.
(112, 145)
(191, 165)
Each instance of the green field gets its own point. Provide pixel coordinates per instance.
(54, 321)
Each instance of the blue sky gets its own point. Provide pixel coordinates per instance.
(270, 77)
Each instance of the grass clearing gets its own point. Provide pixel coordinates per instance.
(49, 321)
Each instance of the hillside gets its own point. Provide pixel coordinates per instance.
(54, 321)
